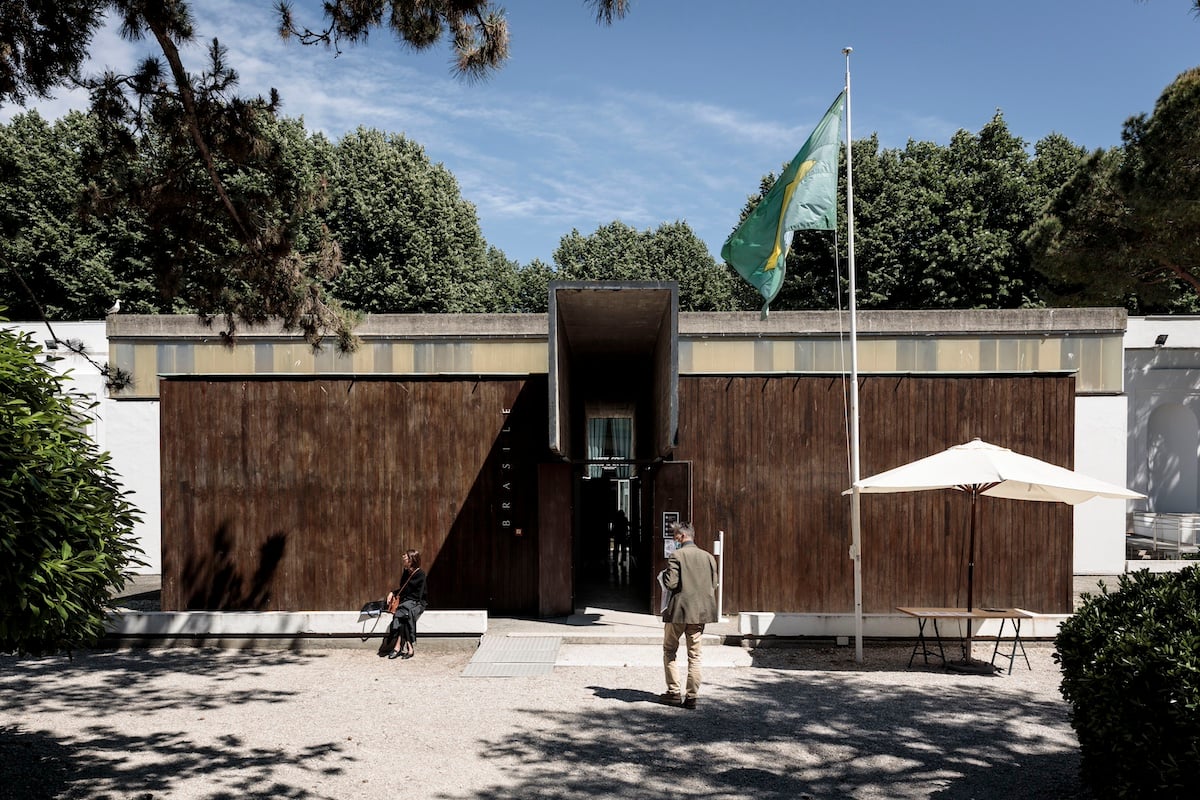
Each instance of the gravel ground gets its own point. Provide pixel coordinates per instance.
(798, 723)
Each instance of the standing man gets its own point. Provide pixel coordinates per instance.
(691, 578)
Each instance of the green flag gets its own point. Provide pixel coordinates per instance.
(804, 197)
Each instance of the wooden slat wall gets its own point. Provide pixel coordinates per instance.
(555, 585)
(301, 494)
(672, 485)
(770, 460)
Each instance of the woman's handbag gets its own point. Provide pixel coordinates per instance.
(372, 609)
(394, 600)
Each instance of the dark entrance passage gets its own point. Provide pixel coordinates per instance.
(613, 415)
(610, 565)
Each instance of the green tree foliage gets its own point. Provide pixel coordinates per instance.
(671, 252)
(513, 288)
(1131, 671)
(935, 226)
(215, 160)
(214, 178)
(66, 528)
(476, 29)
(45, 244)
(1125, 229)
(409, 242)
(533, 288)
(43, 44)
(59, 261)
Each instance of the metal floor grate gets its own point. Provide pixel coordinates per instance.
(513, 656)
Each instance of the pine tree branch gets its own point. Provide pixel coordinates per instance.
(188, 99)
(1183, 274)
(115, 378)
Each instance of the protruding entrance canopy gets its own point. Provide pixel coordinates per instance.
(614, 345)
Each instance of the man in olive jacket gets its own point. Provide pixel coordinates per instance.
(691, 579)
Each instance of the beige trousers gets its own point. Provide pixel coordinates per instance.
(672, 631)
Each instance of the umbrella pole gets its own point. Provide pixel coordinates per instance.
(968, 663)
(971, 552)
(971, 568)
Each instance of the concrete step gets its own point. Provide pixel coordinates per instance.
(592, 626)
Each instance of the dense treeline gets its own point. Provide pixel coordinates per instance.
(984, 221)
(174, 194)
(406, 240)
(1125, 228)
(937, 226)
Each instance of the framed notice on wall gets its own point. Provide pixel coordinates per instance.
(670, 520)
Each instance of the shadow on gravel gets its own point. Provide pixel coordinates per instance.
(887, 657)
(126, 680)
(785, 736)
(100, 761)
(625, 695)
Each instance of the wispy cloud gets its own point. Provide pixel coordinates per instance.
(108, 51)
(528, 159)
(641, 123)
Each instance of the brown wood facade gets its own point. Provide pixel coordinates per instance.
(300, 494)
(770, 460)
(294, 493)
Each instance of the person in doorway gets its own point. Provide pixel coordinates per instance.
(620, 535)
(406, 604)
(691, 579)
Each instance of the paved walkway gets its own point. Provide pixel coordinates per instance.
(803, 723)
(516, 646)
(790, 724)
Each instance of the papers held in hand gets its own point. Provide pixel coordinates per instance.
(666, 593)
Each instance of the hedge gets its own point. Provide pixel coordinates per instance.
(1131, 672)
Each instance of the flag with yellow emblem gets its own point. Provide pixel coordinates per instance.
(804, 197)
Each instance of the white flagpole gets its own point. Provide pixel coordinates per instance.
(855, 470)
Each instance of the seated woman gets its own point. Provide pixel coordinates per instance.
(407, 603)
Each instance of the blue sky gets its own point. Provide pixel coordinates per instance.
(676, 112)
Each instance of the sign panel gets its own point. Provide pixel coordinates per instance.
(670, 520)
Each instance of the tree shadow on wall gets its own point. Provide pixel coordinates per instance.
(217, 581)
(484, 562)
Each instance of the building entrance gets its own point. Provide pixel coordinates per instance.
(611, 562)
(613, 414)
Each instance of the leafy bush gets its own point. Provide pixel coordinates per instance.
(1131, 672)
(66, 529)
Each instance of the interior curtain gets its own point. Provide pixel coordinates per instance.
(610, 437)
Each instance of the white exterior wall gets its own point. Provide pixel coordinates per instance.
(84, 378)
(1162, 379)
(133, 442)
(1100, 444)
(1166, 379)
(127, 430)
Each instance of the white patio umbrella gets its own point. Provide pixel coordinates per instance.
(981, 468)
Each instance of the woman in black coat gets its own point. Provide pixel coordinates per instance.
(409, 602)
